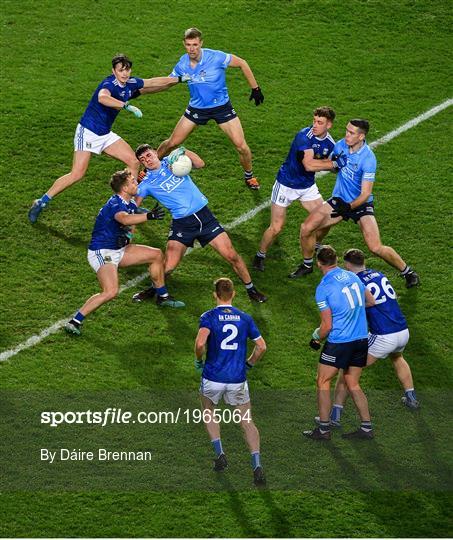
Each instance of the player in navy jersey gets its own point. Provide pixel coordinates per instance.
(110, 248)
(341, 299)
(388, 332)
(192, 219)
(93, 133)
(310, 152)
(204, 70)
(352, 198)
(222, 338)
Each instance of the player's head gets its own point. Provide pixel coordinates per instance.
(323, 118)
(326, 257)
(356, 131)
(124, 182)
(224, 290)
(354, 260)
(147, 156)
(121, 67)
(193, 41)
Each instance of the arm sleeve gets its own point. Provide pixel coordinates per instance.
(205, 321)
(369, 168)
(177, 71)
(321, 298)
(142, 190)
(222, 59)
(302, 142)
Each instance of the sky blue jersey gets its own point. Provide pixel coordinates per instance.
(106, 229)
(98, 118)
(226, 354)
(292, 173)
(361, 166)
(386, 316)
(177, 193)
(207, 84)
(344, 294)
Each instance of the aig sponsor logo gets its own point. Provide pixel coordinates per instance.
(172, 183)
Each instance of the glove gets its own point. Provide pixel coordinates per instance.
(199, 365)
(314, 344)
(316, 335)
(248, 365)
(141, 210)
(134, 110)
(339, 160)
(340, 207)
(257, 95)
(156, 213)
(184, 78)
(175, 154)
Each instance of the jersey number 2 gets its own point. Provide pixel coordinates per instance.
(226, 344)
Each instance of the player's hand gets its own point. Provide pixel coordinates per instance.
(257, 95)
(199, 365)
(184, 78)
(141, 176)
(141, 210)
(315, 344)
(340, 207)
(339, 160)
(316, 335)
(175, 154)
(156, 213)
(134, 110)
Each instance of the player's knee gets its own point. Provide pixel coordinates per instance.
(375, 247)
(111, 294)
(242, 147)
(306, 229)
(276, 228)
(132, 163)
(77, 174)
(232, 256)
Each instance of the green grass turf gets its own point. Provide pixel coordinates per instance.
(387, 61)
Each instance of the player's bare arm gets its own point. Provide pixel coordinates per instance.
(367, 189)
(237, 62)
(314, 165)
(158, 84)
(326, 323)
(258, 351)
(106, 99)
(200, 342)
(197, 162)
(370, 301)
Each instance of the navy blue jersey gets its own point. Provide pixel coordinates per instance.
(385, 317)
(226, 354)
(98, 118)
(292, 173)
(344, 294)
(207, 85)
(106, 229)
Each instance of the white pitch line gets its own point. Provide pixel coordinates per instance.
(34, 340)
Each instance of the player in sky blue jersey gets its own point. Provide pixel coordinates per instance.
(341, 299)
(352, 198)
(93, 133)
(110, 248)
(310, 152)
(388, 331)
(192, 219)
(204, 70)
(222, 337)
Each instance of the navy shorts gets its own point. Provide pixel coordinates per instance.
(202, 226)
(344, 355)
(223, 113)
(366, 209)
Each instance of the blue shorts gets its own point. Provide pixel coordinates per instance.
(202, 226)
(344, 355)
(365, 209)
(223, 113)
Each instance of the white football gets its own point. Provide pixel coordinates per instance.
(182, 166)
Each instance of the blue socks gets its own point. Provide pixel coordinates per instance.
(256, 460)
(45, 199)
(162, 291)
(410, 394)
(78, 317)
(335, 413)
(217, 445)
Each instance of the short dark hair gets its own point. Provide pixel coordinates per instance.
(141, 149)
(122, 59)
(224, 288)
(119, 178)
(327, 256)
(325, 112)
(362, 124)
(192, 33)
(354, 256)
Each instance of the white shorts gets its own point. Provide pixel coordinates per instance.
(99, 257)
(380, 346)
(284, 196)
(232, 393)
(86, 140)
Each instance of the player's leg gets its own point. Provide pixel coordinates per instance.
(252, 438)
(213, 429)
(233, 130)
(182, 130)
(121, 151)
(352, 379)
(135, 254)
(318, 220)
(107, 275)
(80, 162)
(371, 235)
(323, 379)
(404, 374)
(278, 218)
(222, 244)
(340, 396)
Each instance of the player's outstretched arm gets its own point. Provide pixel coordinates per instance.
(158, 84)
(256, 94)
